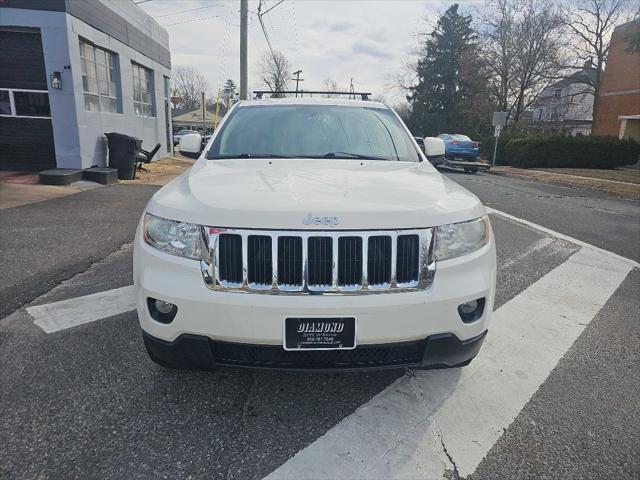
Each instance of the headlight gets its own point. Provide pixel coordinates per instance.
(177, 238)
(458, 239)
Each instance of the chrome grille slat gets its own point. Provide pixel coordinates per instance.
(407, 265)
(259, 261)
(290, 264)
(380, 261)
(230, 259)
(349, 262)
(331, 262)
(320, 263)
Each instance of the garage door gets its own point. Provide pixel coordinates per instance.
(26, 134)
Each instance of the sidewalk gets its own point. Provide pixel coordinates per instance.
(613, 188)
(24, 189)
(16, 194)
(161, 172)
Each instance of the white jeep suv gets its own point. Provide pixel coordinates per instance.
(313, 234)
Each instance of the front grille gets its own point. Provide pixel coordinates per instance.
(319, 262)
(402, 354)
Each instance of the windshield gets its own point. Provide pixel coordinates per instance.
(313, 131)
(462, 138)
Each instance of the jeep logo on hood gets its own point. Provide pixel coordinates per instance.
(313, 220)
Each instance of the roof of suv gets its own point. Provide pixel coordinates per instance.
(312, 101)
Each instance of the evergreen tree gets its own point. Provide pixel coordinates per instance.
(450, 94)
(229, 89)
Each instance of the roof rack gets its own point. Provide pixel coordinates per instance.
(362, 95)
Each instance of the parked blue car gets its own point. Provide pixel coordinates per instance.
(460, 146)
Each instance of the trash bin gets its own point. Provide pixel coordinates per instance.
(123, 150)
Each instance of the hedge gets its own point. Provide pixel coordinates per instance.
(571, 152)
(487, 143)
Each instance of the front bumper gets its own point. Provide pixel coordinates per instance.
(198, 352)
(257, 320)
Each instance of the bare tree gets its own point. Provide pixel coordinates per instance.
(498, 31)
(275, 72)
(522, 42)
(330, 85)
(590, 24)
(188, 83)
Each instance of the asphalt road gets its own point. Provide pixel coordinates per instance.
(48, 242)
(586, 214)
(86, 402)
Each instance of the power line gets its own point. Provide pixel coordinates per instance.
(192, 20)
(295, 33)
(268, 10)
(264, 30)
(190, 10)
(225, 42)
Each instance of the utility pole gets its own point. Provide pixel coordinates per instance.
(298, 80)
(204, 120)
(244, 20)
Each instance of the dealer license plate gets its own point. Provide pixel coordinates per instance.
(320, 333)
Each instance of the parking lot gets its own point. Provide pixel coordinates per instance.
(553, 393)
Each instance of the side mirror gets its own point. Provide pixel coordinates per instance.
(191, 145)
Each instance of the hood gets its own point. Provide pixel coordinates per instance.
(299, 193)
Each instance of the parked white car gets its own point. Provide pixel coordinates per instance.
(313, 234)
(179, 134)
(435, 150)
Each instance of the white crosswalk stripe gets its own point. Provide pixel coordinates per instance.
(57, 316)
(441, 420)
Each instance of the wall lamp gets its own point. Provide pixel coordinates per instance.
(56, 80)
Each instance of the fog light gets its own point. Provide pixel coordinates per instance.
(472, 310)
(465, 309)
(164, 307)
(161, 311)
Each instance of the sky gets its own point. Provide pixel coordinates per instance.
(369, 41)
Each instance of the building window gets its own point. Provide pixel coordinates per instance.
(142, 90)
(24, 103)
(99, 78)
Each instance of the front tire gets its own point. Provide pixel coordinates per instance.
(471, 169)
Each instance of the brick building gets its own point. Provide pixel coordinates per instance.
(618, 104)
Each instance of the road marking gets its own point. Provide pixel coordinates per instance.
(441, 420)
(534, 247)
(562, 236)
(57, 316)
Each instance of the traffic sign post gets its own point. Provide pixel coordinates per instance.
(499, 121)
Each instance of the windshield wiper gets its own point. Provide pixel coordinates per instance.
(352, 155)
(250, 155)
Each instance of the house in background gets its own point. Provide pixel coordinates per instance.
(71, 71)
(618, 103)
(566, 107)
(192, 119)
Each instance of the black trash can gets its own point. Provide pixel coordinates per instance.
(123, 151)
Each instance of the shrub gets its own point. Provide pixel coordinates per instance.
(487, 143)
(571, 152)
